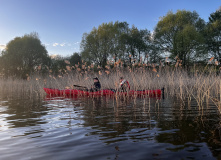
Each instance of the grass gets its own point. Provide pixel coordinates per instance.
(176, 81)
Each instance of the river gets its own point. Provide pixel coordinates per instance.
(79, 128)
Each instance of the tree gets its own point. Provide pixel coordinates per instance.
(137, 42)
(90, 47)
(23, 54)
(100, 43)
(213, 34)
(114, 40)
(132, 41)
(120, 32)
(105, 41)
(58, 64)
(143, 42)
(154, 55)
(1, 62)
(180, 34)
(75, 59)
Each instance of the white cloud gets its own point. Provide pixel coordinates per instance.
(62, 44)
(55, 44)
(2, 46)
(76, 42)
(59, 44)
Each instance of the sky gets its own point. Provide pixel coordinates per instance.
(62, 23)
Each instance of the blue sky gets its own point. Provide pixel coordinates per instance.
(61, 23)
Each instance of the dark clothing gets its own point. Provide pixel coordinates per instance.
(96, 87)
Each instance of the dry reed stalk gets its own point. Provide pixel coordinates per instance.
(177, 82)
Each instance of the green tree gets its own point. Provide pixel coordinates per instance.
(114, 40)
(90, 47)
(58, 64)
(154, 54)
(213, 34)
(143, 42)
(105, 40)
(180, 34)
(119, 48)
(1, 62)
(100, 44)
(23, 55)
(75, 59)
(132, 40)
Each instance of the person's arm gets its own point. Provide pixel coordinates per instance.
(128, 85)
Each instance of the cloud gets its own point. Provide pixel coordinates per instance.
(76, 42)
(59, 44)
(55, 44)
(2, 47)
(62, 44)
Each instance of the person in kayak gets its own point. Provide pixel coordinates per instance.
(124, 85)
(96, 86)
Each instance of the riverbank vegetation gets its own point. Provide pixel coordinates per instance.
(204, 86)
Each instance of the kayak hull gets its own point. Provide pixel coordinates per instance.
(104, 92)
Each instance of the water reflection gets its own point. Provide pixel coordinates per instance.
(109, 128)
(186, 127)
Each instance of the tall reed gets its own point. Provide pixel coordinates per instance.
(177, 82)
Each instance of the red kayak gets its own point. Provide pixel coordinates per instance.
(104, 92)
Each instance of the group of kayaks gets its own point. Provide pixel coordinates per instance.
(104, 92)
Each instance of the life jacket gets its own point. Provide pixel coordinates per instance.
(124, 82)
(97, 85)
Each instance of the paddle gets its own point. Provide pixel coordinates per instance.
(80, 86)
(162, 92)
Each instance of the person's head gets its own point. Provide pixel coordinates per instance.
(95, 79)
(121, 79)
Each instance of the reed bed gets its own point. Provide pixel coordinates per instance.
(204, 86)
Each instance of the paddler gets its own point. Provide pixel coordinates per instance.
(124, 85)
(96, 86)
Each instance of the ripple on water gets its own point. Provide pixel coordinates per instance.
(97, 128)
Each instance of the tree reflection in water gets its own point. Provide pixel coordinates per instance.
(148, 126)
(163, 121)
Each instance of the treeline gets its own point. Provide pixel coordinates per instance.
(26, 55)
(183, 36)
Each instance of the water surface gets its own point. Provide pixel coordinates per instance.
(106, 128)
